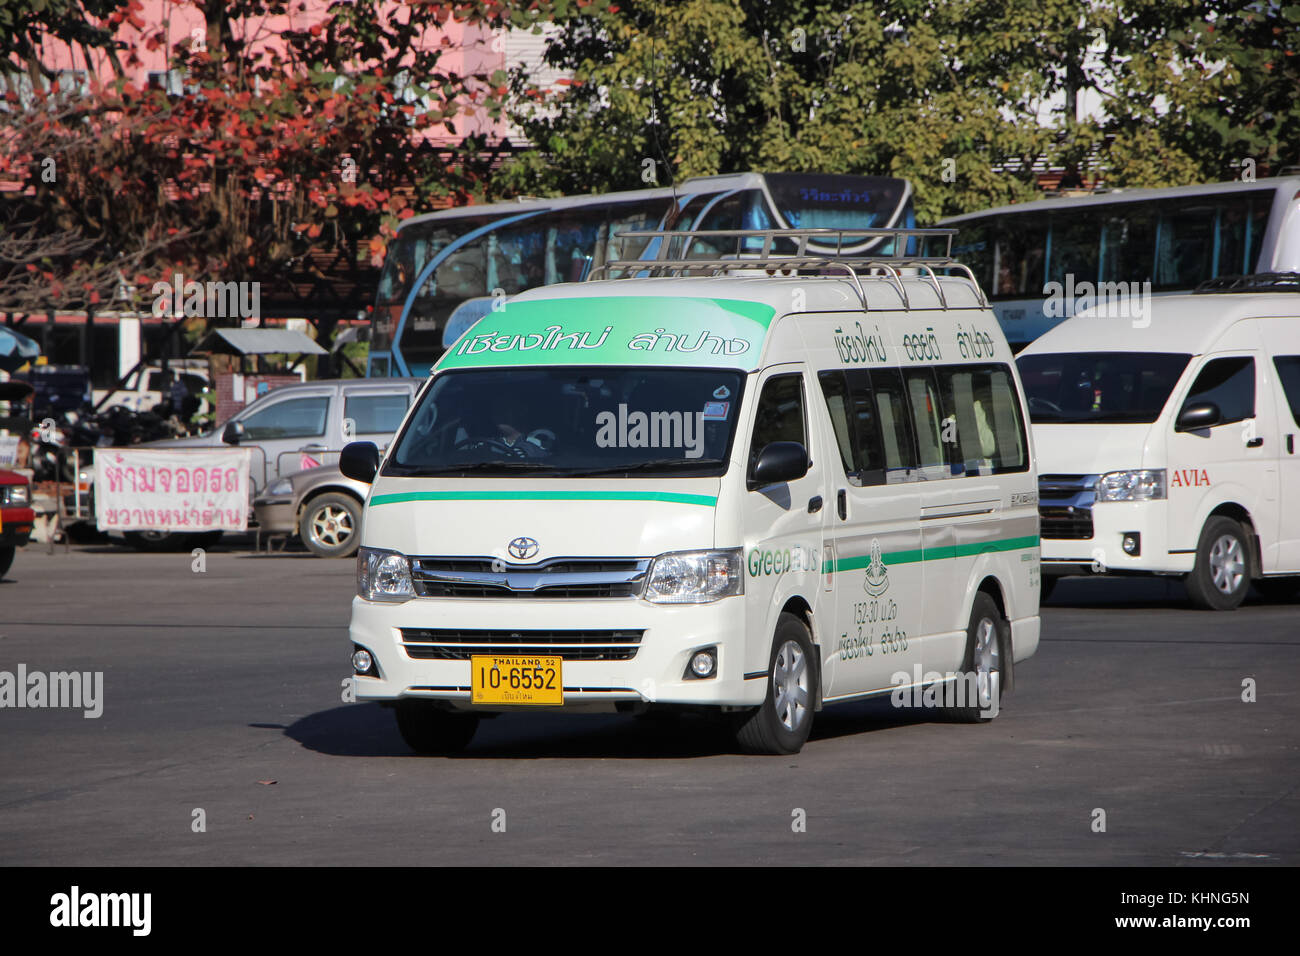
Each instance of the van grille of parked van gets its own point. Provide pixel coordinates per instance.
(573, 578)
(1065, 506)
(448, 644)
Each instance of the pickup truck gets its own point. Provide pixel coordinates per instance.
(16, 516)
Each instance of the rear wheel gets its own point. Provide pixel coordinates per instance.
(783, 722)
(330, 525)
(432, 731)
(986, 643)
(1221, 577)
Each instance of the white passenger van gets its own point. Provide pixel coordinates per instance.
(740, 491)
(1168, 445)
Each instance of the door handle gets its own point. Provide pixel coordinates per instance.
(814, 505)
(1254, 443)
(842, 503)
(1290, 444)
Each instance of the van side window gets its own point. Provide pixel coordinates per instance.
(990, 430)
(1288, 373)
(1228, 383)
(927, 424)
(895, 428)
(851, 406)
(780, 414)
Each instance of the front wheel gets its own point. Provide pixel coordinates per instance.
(783, 722)
(432, 731)
(1221, 576)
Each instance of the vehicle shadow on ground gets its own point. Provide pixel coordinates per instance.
(368, 730)
(1135, 593)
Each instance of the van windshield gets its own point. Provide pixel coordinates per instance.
(1111, 387)
(571, 422)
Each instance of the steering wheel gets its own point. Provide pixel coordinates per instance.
(1043, 403)
(500, 447)
(544, 438)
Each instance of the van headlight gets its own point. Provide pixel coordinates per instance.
(384, 575)
(695, 577)
(1146, 484)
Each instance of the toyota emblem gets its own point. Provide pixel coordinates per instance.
(523, 548)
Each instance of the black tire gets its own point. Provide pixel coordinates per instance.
(1279, 590)
(330, 525)
(7, 559)
(1221, 577)
(987, 645)
(1046, 585)
(171, 541)
(766, 730)
(431, 731)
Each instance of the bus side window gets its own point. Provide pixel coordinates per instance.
(989, 427)
(895, 429)
(780, 415)
(927, 424)
(851, 405)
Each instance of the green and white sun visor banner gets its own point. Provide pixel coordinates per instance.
(616, 330)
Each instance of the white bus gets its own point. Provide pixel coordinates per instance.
(1173, 239)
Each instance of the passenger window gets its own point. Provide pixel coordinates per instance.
(927, 423)
(1288, 372)
(990, 432)
(1228, 383)
(376, 414)
(292, 418)
(895, 430)
(851, 406)
(780, 414)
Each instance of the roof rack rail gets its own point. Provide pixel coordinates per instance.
(674, 246)
(1258, 282)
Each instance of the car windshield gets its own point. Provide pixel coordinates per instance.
(1111, 387)
(572, 422)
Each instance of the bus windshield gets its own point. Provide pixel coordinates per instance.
(1110, 387)
(571, 422)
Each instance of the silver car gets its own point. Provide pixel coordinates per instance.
(320, 505)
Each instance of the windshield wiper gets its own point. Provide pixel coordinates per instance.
(651, 465)
(421, 472)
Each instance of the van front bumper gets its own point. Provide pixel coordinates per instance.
(656, 673)
(1104, 551)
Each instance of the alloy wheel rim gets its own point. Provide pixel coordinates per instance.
(985, 660)
(791, 685)
(331, 526)
(1227, 564)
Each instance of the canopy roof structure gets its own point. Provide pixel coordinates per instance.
(256, 342)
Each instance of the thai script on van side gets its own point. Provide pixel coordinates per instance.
(974, 344)
(854, 349)
(554, 337)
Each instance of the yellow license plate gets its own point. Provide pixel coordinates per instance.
(516, 680)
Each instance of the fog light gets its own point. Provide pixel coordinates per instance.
(704, 663)
(1132, 543)
(362, 662)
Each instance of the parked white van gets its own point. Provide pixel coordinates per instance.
(1168, 445)
(750, 493)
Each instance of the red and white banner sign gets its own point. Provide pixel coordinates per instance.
(154, 489)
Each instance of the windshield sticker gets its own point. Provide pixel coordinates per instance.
(716, 411)
(614, 330)
(721, 392)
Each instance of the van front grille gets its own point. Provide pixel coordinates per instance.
(1065, 506)
(455, 644)
(562, 578)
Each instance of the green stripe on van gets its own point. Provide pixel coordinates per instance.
(706, 501)
(859, 562)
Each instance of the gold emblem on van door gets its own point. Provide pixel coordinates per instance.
(877, 580)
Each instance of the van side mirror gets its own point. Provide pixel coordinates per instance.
(359, 460)
(233, 433)
(1198, 415)
(778, 462)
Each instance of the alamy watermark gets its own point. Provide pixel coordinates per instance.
(208, 300)
(948, 690)
(76, 690)
(652, 430)
(1111, 300)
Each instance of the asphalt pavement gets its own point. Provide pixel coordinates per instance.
(224, 739)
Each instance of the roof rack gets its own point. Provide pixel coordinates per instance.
(827, 253)
(1259, 282)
